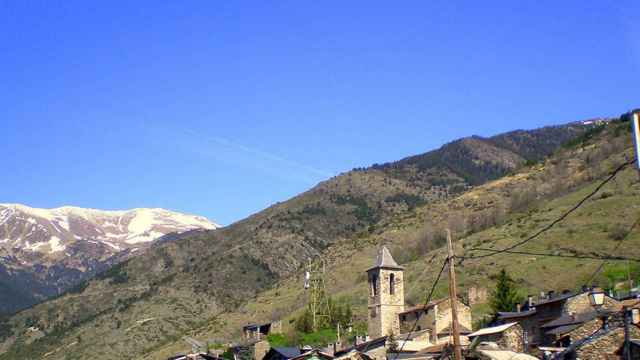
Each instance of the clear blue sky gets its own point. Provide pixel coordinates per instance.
(223, 108)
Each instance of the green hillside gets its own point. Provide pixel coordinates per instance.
(207, 285)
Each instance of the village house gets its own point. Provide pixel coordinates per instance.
(599, 337)
(436, 319)
(533, 315)
(255, 332)
(506, 336)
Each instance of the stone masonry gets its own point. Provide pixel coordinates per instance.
(386, 296)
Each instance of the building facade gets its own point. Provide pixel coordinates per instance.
(386, 295)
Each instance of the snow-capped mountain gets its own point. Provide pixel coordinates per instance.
(52, 230)
(45, 251)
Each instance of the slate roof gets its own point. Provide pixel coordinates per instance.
(311, 354)
(463, 330)
(385, 260)
(561, 297)
(492, 330)
(288, 352)
(422, 307)
(570, 319)
(515, 315)
(369, 345)
(414, 334)
(561, 330)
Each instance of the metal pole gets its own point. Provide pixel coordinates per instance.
(627, 343)
(452, 298)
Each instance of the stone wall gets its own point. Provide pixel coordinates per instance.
(425, 321)
(581, 304)
(606, 346)
(260, 349)
(379, 353)
(477, 295)
(437, 319)
(510, 339)
(444, 318)
(386, 304)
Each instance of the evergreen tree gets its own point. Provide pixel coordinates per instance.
(505, 296)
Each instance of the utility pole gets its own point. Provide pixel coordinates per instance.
(626, 355)
(452, 298)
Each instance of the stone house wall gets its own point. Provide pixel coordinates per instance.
(510, 339)
(379, 353)
(477, 295)
(260, 349)
(425, 321)
(444, 318)
(581, 304)
(437, 319)
(603, 348)
(606, 346)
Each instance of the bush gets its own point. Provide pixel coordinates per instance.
(412, 201)
(586, 136)
(117, 274)
(618, 232)
(278, 340)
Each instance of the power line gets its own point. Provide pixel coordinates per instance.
(556, 221)
(589, 257)
(604, 262)
(426, 304)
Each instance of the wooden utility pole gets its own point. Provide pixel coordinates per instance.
(452, 298)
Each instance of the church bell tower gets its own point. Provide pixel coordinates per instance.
(386, 295)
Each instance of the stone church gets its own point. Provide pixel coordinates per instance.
(386, 308)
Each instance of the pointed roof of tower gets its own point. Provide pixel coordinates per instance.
(385, 260)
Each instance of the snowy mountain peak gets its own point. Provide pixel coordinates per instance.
(52, 230)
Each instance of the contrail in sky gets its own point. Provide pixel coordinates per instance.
(234, 153)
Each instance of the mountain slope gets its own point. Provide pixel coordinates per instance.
(46, 251)
(202, 280)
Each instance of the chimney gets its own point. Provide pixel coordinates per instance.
(518, 307)
(529, 301)
(543, 296)
(551, 294)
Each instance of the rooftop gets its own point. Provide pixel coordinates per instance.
(492, 330)
(385, 260)
(424, 307)
(515, 314)
(571, 319)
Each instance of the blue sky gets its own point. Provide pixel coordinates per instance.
(223, 108)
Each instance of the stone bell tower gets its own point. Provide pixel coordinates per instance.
(386, 295)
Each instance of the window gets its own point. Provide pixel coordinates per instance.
(392, 284)
(373, 279)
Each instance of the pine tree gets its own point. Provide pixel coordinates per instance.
(506, 295)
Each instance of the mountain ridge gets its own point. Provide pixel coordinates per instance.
(54, 249)
(202, 280)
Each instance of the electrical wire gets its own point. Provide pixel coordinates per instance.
(553, 223)
(589, 257)
(604, 262)
(426, 304)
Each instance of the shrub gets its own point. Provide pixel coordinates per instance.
(618, 232)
